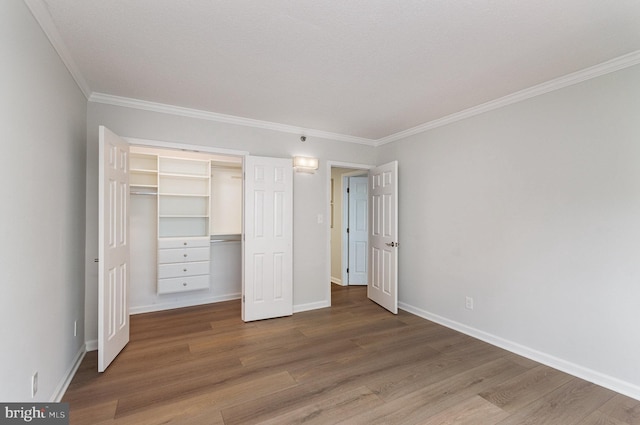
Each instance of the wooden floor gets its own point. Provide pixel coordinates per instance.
(353, 363)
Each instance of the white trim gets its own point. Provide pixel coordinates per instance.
(181, 304)
(607, 67)
(144, 105)
(41, 14)
(68, 376)
(610, 382)
(604, 68)
(184, 146)
(91, 345)
(337, 281)
(311, 306)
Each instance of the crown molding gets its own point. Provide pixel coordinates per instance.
(41, 13)
(228, 119)
(607, 67)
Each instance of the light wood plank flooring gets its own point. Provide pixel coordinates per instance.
(353, 363)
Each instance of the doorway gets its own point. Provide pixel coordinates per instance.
(348, 225)
(382, 223)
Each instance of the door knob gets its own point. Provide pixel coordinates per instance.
(392, 244)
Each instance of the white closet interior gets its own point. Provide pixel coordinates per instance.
(186, 225)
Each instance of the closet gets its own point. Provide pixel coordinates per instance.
(185, 224)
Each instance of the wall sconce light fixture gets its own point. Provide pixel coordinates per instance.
(304, 164)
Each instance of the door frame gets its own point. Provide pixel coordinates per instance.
(329, 165)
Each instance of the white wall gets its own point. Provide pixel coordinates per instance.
(534, 211)
(309, 239)
(42, 170)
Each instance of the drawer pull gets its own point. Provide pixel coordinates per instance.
(185, 255)
(184, 270)
(184, 243)
(184, 283)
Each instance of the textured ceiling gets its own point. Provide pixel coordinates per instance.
(365, 68)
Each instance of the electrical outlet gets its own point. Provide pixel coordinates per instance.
(34, 384)
(468, 303)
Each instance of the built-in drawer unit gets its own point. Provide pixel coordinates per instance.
(183, 264)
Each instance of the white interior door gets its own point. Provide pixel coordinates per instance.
(358, 231)
(113, 255)
(267, 284)
(383, 236)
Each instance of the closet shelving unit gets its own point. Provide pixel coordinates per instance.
(183, 197)
(184, 190)
(143, 174)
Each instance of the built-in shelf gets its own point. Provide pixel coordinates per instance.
(184, 188)
(143, 170)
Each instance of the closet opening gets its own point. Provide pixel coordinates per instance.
(185, 225)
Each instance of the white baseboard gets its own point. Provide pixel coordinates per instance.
(598, 378)
(91, 345)
(180, 304)
(336, 280)
(310, 306)
(68, 376)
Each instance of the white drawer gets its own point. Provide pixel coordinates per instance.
(177, 284)
(183, 255)
(183, 242)
(182, 269)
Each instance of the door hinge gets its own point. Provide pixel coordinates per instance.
(243, 298)
(347, 269)
(347, 230)
(348, 190)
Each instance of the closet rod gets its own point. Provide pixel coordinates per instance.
(143, 193)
